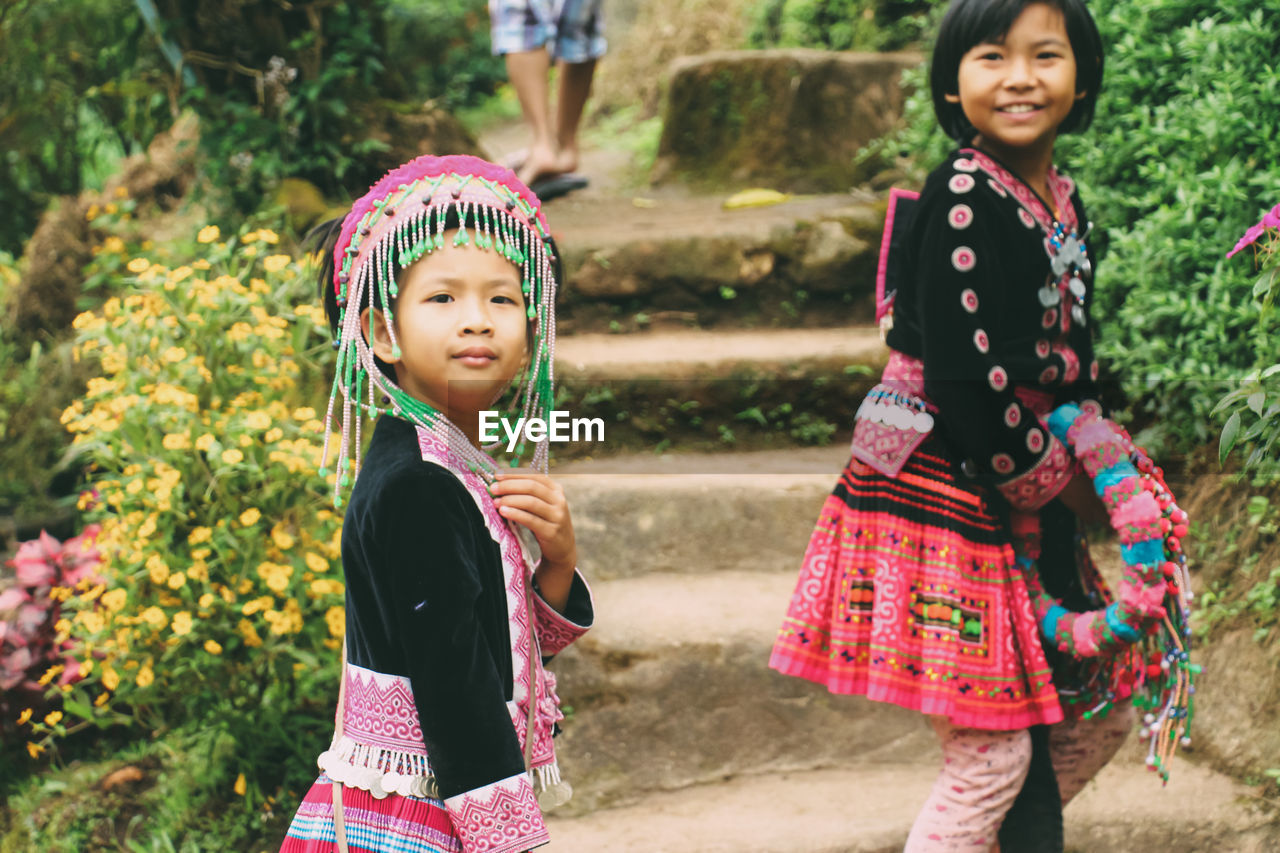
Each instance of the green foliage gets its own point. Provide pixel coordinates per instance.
(843, 24)
(1177, 164)
(1254, 422)
(175, 794)
(31, 440)
(443, 49)
(80, 85)
(219, 605)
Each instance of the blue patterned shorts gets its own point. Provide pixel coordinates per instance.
(572, 30)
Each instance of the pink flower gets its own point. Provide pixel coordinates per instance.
(1271, 220)
(12, 597)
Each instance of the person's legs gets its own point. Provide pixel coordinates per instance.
(527, 71)
(574, 89)
(1080, 748)
(982, 772)
(1033, 823)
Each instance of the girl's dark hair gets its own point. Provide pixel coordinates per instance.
(972, 22)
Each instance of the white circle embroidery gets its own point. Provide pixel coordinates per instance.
(963, 258)
(960, 217)
(961, 183)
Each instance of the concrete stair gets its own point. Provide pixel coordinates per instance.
(696, 331)
(868, 807)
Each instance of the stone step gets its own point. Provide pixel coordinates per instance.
(694, 513)
(633, 262)
(716, 389)
(672, 688)
(693, 355)
(868, 807)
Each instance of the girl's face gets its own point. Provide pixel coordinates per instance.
(461, 326)
(1018, 91)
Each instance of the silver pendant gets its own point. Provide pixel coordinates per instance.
(1077, 314)
(1050, 296)
(1076, 286)
(922, 422)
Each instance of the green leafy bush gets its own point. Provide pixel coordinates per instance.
(80, 85)
(843, 24)
(1254, 421)
(220, 604)
(1178, 163)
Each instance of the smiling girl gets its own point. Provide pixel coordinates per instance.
(909, 592)
(440, 291)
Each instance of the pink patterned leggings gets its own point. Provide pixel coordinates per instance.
(982, 772)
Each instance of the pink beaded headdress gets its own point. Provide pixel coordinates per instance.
(402, 218)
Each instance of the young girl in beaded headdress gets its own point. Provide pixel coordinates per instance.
(910, 592)
(440, 291)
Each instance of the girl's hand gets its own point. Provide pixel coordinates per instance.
(1081, 499)
(537, 502)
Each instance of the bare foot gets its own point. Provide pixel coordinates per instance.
(567, 159)
(540, 163)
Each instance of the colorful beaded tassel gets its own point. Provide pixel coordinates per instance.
(401, 219)
(1140, 642)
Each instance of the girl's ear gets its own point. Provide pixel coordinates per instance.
(378, 337)
(1081, 94)
(954, 97)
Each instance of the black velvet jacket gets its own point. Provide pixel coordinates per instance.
(426, 600)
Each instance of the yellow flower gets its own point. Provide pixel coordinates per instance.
(155, 617)
(204, 442)
(257, 420)
(283, 539)
(239, 787)
(101, 700)
(110, 678)
(86, 667)
(315, 562)
(24, 716)
(268, 236)
(50, 674)
(200, 534)
(145, 677)
(34, 749)
(52, 718)
(306, 413)
(177, 580)
(198, 571)
(201, 264)
(275, 263)
(158, 569)
(207, 599)
(115, 600)
(336, 618)
(176, 441)
(250, 634)
(208, 234)
(212, 647)
(232, 455)
(182, 623)
(173, 355)
(250, 516)
(138, 265)
(273, 435)
(245, 441)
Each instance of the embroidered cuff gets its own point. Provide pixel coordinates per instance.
(1043, 481)
(557, 630)
(501, 817)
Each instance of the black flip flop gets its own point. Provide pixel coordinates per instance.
(548, 188)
